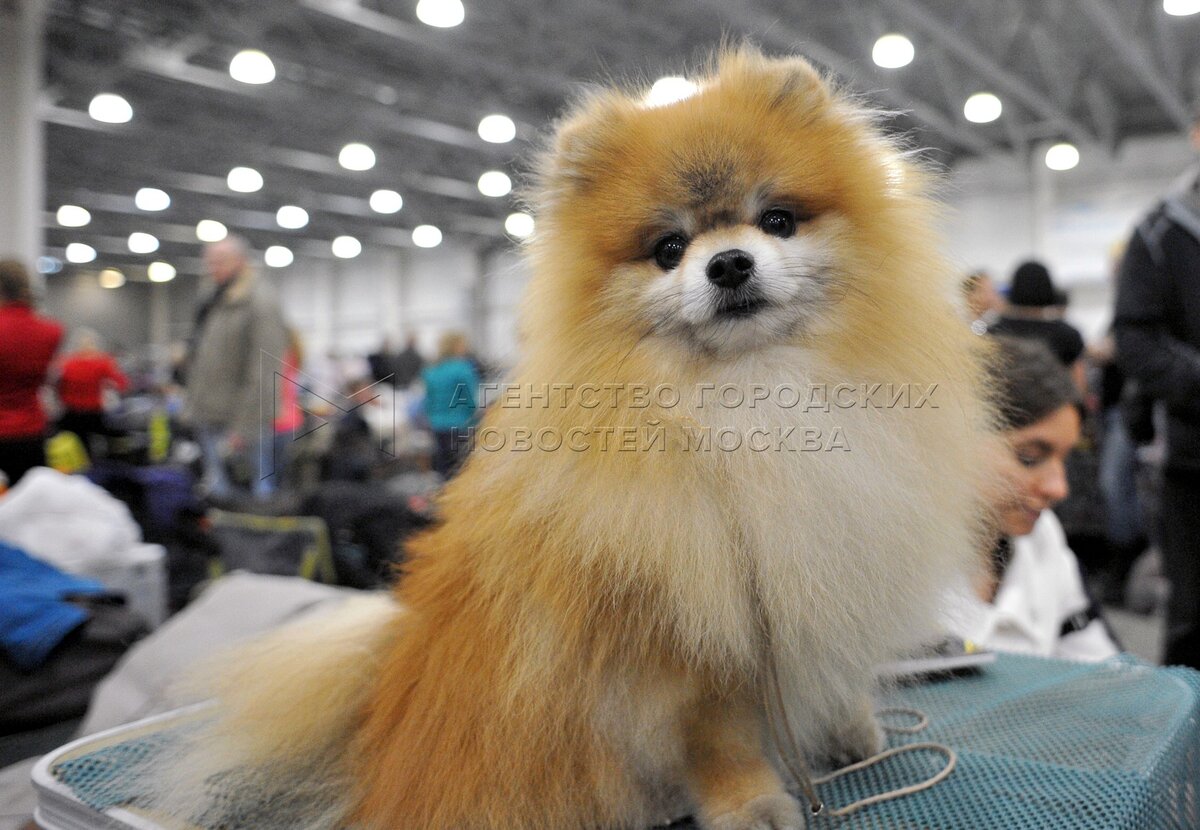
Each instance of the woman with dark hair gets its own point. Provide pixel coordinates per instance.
(1030, 597)
(27, 345)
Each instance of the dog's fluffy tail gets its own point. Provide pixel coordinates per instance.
(274, 751)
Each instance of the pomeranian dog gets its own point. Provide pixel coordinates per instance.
(585, 638)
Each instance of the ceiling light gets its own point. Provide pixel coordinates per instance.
(443, 14)
(497, 129)
(142, 243)
(386, 201)
(73, 216)
(982, 108)
(495, 183)
(160, 272)
(893, 51)
(210, 230)
(250, 66)
(291, 217)
(1062, 157)
(244, 180)
(355, 156)
(152, 199)
(1181, 8)
(79, 253)
(669, 90)
(110, 109)
(278, 256)
(386, 95)
(346, 247)
(111, 278)
(426, 236)
(519, 225)
(49, 265)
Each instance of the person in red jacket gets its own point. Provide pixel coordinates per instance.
(28, 342)
(83, 377)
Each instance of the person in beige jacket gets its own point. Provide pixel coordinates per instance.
(238, 343)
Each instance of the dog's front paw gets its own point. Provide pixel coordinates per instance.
(777, 811)
(855, 739)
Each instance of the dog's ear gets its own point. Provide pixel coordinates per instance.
(798, 86)
(790, 84)
(583, 148)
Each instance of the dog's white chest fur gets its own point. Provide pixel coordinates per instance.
(848, 529)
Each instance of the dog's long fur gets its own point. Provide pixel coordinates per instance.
(583, 636)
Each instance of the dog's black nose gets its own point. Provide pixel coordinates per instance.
(729, 269)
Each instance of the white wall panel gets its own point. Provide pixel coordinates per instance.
(998, 213)
(505, 289)
(351, 306)
(1001, 212)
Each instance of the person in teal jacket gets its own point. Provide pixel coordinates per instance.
(451, 390)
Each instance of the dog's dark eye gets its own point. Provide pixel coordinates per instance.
(669, 251)
(778, 222)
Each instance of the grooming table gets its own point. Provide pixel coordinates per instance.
(1040, 743)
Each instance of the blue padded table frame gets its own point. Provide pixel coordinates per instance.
(1041, 744)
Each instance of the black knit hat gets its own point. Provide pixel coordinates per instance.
(1032, 286)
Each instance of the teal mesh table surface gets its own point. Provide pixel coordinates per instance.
(1040, 743)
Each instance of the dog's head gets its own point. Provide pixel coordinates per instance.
(748, 214)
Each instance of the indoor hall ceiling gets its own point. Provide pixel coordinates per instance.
(1094, 72)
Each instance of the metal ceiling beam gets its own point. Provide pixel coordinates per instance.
(897, 97)
(170, 65)
(331, 204)
(1060, 70)
(1016, 137)
(352, 12)
(1103, 111)
(105, 228)
(172, 233)
(294, 159)
(954, 91)
(976, 57)
(868, 24)
(1128, 47)
(114, 254)
(771, 29)
(1008, 23)
(1166, 36)
(173, 64)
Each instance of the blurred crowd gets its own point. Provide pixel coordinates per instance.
(1104, 465)
(1126, 493)
(242, 402)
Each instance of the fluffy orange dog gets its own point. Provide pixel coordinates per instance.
(583, 641)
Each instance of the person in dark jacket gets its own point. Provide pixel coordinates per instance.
(400, 368)
(28, 342)
(407, 364)
(1157, 328)
(382, 362)
(1035, 311)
